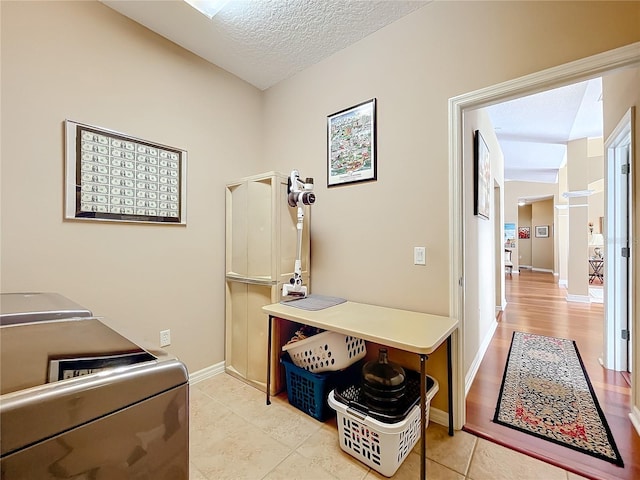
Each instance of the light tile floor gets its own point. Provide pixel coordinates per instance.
(235, 435)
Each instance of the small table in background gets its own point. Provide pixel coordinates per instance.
(596, 265)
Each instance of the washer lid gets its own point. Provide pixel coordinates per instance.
(38, 306)
(101, 372)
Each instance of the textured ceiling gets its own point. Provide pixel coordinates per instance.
(265, 41)
(533, 131)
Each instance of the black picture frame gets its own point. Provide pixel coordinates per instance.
(351, 145)
(481, 177)
(115, 177)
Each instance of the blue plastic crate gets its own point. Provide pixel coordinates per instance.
(308, 391)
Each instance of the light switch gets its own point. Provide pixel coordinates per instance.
(419, 256)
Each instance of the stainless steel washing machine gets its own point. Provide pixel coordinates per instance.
(80, 401)
(24, 307)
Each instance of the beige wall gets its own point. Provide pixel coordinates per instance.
(542, 248)
(480, 239)
(85, 62)
(596, 210)
(362, 235)
(512, 192)
(620, 92)
(595, 152)
(413, 67)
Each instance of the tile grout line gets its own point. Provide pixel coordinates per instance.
(473, 452)
(277, 465)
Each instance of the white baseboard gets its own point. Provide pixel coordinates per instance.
(439, 416)
(563, 283)
(206, 372)
(475, 365)
(435, 414)
(578, 298)
(547, 270)
(635, 418)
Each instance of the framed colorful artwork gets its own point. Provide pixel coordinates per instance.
(351, 145)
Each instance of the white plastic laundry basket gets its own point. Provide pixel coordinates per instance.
(326, 352)
(382, 446)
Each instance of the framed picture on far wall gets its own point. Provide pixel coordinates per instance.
(524, 233)
(509, 235)
(482, 177)
(542, 231)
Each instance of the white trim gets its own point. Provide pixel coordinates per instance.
(545, 270)
(554, 77)
(475, 365)
(596, 297)
(456, 258)
(206, 373)
(550, 78)
(563, 283)
(578, 298)
(620, 212)
(439, 416)
(635, 418)
(578, 193)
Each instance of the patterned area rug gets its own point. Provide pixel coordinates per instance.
(546, 392)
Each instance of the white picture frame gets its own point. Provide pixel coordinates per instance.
(542, 231)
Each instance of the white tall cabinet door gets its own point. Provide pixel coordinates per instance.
(261, 243)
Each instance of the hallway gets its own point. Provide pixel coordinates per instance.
(536, 304)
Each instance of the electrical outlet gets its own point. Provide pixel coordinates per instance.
(419, 256)
(165, 338)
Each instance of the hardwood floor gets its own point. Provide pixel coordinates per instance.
(536, 304)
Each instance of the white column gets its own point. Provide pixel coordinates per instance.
(577, 254)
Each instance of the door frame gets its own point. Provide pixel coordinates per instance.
(577, 71)
(618, 272)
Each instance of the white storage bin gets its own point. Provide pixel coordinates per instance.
(381, 446)
(326, 352)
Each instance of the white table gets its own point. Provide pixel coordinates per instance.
(419, 333)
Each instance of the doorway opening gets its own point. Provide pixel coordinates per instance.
(592, 67)
(580, 70)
